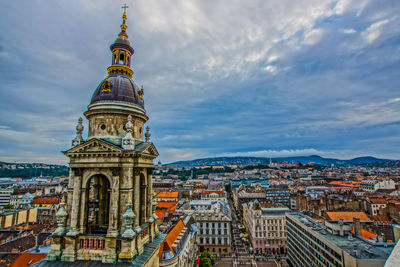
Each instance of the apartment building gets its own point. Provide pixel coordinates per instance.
(5, 196)
(213, 220)
(214, 195)
(375, 204)
(265, 224)
(310, 243)
(374, 185)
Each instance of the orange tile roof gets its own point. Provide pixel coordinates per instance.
(347, 216)
(166, 204)
(380, 218)
(160, 213)
(345, 183)
(173, 194)
(398, 206)
(378, 200)
(219, 192)
(171, 237)
(54, 200)
(365, 234)
(27, 259)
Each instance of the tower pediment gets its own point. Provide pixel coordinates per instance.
(147, 149)
(93, 145)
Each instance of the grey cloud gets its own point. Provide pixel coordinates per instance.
(219, 77)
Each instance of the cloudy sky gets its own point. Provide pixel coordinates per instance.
(260, 78)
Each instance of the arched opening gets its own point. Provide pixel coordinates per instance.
(114, 59)
(98, 205)
(121, 58)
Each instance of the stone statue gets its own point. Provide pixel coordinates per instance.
(79, 130)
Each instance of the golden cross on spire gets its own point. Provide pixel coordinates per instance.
(124, 7)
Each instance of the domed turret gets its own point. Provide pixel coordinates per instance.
(117, 96)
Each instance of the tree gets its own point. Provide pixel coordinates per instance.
(8, 206)
(206, 260)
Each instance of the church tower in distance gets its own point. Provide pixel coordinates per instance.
(109, 215)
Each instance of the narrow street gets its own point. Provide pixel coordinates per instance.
(241, 256)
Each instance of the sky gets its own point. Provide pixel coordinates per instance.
(221, 78)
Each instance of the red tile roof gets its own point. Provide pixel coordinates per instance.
(398, 206)
(166, 204)
(380, 218)
(39, 201)
(346, 183)
(378, 200)
(165, 194)
(170, 238)
(27, 259)
(347, 216)
(160, 213)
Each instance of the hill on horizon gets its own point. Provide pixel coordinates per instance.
(263, 160)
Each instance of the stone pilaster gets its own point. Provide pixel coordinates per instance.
(75, 209)
(136, 173)
(149, 211)
(114, 211)
(70, 191)
(83, 211)
(143, 204)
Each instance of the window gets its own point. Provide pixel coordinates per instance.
(121, 58)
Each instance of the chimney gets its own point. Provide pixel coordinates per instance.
(357, 226)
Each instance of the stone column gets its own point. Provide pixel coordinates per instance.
(75, 203)
(149, 212)
(143, 197)
(113, 216)
(70, 192)
(83, 212)
(136, 197)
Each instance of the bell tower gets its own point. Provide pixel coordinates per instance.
(109, 213)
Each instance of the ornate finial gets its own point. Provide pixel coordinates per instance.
(61, 217)
(125, 7)
(123, 25)
(141, 92)
(79, 130)
(129, 216)
(147, 134)
(128, 142)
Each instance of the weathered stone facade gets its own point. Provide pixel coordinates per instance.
(109, 216)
